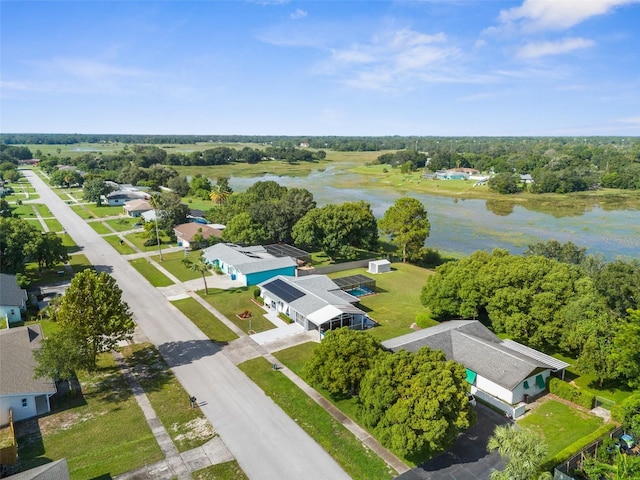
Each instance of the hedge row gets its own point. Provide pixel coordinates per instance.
(567, 452)
(571, 393)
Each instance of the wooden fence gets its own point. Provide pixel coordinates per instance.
(9, 454)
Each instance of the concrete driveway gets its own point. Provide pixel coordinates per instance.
(264, 440)
(467, 459)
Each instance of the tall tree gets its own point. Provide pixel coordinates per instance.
(340, 362)
(407, 224)
(94, 188)
(525, 453)
(415, 402)
(627, 353)
(15, 233)
(46, 249)
(92, 308)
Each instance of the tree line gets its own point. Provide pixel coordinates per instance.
(554, 298)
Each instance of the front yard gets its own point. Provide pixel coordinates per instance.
(232, 302)
(101, 432)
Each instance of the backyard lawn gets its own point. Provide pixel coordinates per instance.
(205, 320)
(237, 300)
(397, 302)
(560, 425)
(154, 276)
(89, 430)
(358, 461)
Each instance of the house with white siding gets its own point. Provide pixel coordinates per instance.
(19, 391)
(502, 372)
(13, 299)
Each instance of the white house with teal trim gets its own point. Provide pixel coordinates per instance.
(13, 299)
(501, 372)
(250, 265)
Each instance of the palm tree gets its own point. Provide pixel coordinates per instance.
(219, 194)
(201, 266)
(155, 202)
(524, 450)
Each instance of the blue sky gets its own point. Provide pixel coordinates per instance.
(482, 67)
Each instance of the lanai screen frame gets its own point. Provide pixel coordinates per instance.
(354, 281)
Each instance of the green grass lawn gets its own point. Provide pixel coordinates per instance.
(101, 433)
(82, 211)
(205, 320)
(222, 471)
(122, 248)
(43, 210)
(614, 391)
(139, 238)
(173, 263)
(79, 262)
(123, 223)
(104, 210)
(187, 426)
(358, 461)
(47, 276)
(23, 211)
(237, 300)
(397, 304)
(53, 225)
(154, 276)
(560, 425)
(100, 228)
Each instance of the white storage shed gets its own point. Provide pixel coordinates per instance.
(379, 266)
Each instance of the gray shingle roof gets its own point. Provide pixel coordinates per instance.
(17, 363)
(470, 343)
(10, 293)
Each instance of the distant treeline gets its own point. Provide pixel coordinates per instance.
(557, 164)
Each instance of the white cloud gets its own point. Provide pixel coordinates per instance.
(536, 15)
(299, 13)
(542, 49)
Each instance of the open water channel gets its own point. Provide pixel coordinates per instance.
(463, 226)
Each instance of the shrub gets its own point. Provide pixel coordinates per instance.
(285, 317)
(424, 320)
(571, 393)
(256, 292)
(627, 413)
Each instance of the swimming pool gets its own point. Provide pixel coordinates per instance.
(360, 292)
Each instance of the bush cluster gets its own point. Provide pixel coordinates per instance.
(571, 393)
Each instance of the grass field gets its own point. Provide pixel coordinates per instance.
(237, 300)
(139, 238)
(358, 461)
(101, 433)
(397, 304)
(560, 425)
(53, 225)
(100, 228)
(173, 263)
(122, 248)
(187, 426)
(83, 212)
(124, 223)
(154, 276)
(205, 320)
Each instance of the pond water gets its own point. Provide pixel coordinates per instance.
(463, 226)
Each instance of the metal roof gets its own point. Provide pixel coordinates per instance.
(284, 250)
(535, 354)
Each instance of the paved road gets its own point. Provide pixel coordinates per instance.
(264, 440)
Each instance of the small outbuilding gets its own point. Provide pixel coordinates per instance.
(379, 266)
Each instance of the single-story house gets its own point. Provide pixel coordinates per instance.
(135, 208)
(251, 265)
(451, 175)
(19, 391)
(120, 197)
(526, 178)
(314, 301)
(187, 232)
(496, 369)
(13, 299)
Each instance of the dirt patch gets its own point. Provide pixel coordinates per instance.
(198, 429)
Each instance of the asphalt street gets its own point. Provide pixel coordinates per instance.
(264, 440)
